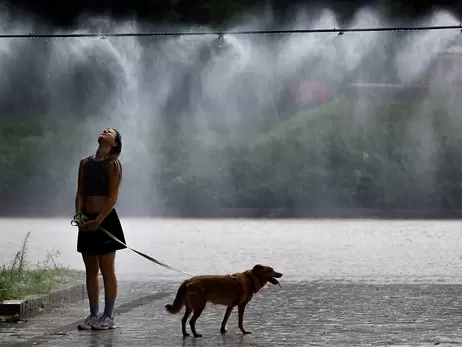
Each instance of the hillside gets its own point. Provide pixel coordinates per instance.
(346, 154)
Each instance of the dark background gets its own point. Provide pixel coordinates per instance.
(217, 12)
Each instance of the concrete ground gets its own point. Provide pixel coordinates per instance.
(345, 283)
(298, 314)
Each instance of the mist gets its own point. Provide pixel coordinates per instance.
(217, 94)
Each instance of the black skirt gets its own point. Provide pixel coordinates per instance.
(97, 242)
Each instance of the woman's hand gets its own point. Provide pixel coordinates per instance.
(91, 225)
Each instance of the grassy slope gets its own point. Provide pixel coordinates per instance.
(341, 115)
(378, 146)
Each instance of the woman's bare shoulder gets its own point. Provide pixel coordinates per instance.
(83, 160)
(114, 166)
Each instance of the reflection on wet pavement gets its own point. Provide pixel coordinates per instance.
(352, 283)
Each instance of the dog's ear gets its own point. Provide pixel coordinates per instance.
(258, 267)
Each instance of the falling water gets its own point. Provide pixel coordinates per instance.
(218, 94)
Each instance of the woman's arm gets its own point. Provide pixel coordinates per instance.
(114, 169)
(79, 195)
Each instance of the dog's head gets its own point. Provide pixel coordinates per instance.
(266, 274)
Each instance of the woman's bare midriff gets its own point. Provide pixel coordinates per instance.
(93, 204)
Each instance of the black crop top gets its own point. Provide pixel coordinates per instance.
(95, 180)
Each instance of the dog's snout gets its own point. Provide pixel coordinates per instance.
(278, 275)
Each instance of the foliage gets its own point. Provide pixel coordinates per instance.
(19, 280)
(394, 155)
(395, 158)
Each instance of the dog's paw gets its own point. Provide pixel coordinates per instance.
(223, 331)
(186, 334)
(245, 332)
(198, 335)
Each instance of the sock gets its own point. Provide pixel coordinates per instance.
(94, 311)
(109, 307)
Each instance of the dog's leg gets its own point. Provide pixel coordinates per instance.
(241, 309)
(225, 319)
(192, 322)
(184, 320)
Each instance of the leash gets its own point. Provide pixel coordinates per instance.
(79, 219)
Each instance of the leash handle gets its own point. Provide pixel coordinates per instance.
(79, 219)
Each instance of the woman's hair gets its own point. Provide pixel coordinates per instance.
(114, 154)
(115, 151)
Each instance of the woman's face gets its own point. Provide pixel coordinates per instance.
(107, 137)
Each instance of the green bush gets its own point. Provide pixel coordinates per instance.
(345, 154)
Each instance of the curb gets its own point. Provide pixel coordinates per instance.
(22, 306)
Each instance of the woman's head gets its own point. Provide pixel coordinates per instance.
(111, 138)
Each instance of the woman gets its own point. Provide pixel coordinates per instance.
(99, 179)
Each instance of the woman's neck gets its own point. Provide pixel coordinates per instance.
(101, 153)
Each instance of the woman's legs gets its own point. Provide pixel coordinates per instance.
(92, 270)
(107, 266)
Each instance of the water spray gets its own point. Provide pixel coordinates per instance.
(187, 101)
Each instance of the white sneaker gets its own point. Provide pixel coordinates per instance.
(87, 323)
(103, 323)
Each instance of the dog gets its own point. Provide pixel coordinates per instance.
(230, 291)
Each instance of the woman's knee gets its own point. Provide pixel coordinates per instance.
(106, 264)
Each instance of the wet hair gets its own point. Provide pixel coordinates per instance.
(114, 155)
(115, 151)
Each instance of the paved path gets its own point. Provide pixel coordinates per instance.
(345, 283)
(310, 314)
(302, 249)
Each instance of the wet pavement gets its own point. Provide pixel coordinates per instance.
(298, 314)
(302, 249)
(345, 284)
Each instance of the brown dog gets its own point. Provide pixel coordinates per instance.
(232, 290)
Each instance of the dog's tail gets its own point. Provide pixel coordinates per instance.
(179, 300)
